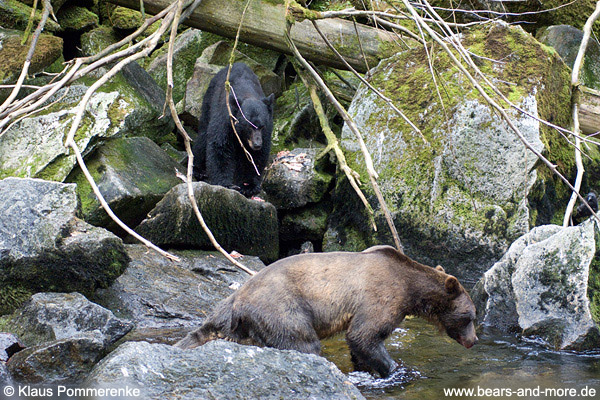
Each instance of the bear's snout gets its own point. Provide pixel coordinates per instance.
(256, 141)
(468, 342)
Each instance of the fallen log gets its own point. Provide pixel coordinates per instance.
(264, 26)
(589, 110)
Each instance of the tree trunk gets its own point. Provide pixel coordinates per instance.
(264, 26)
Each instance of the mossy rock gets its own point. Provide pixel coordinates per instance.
(238, 223)
(186, 51)
(133, 175)
(34, 146)
(463, 192)
(13, 54)
(97, 39)
(126, 19)
(76, 19)
(15, 15)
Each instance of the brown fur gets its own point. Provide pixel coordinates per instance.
(298, 300)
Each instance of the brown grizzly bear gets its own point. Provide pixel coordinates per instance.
(296, 301)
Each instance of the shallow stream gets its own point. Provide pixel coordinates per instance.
(493, 368)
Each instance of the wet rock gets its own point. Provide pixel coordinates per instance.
(566, 40)
(541, 287)
(58, 362)
(76, 19)
(13, 54)
(9, 345)
(15, 15)
(214, 370)
(55, 316)
(293, 180)
(238, 223)
(189, 289)
(127, 106)
(45, 247)
(133, 174)
(463, 196)
(185, 51)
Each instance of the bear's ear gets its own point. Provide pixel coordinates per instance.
(269, 101)
(440, 268)
(452, 285)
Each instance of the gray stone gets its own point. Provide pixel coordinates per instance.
(189, 289)
(45, 247)
(540, 287)
(238, 223)
(9, 345)
(293, 180)
(4, 377)
(58, 362)
(55, 316)
(221, 370)
(309, 223)
(467, 189)
(133, 174)
(566, 40)
(196, 88)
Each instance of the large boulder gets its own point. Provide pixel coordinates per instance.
(133, 174)
(189, 289)
(296, 178)
(546, 285)
(58, 362)
(460, 196)
(129, 105)
(215, 371)
(54, 316)
(566, 40)
(238, 223)
(45, 247)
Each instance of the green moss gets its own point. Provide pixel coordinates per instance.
(13, 55)
(15, 15)
(74, 18)
(12, 297)
(126, 19)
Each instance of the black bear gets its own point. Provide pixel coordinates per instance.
(218, 156)
(296, 301)
(582, 211)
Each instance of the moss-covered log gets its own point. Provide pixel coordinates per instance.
(265, 23)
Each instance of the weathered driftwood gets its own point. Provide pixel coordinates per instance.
(589, 110)
(264, 26)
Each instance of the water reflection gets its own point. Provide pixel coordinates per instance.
(500, 364)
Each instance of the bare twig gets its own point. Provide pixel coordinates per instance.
(587, 29)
